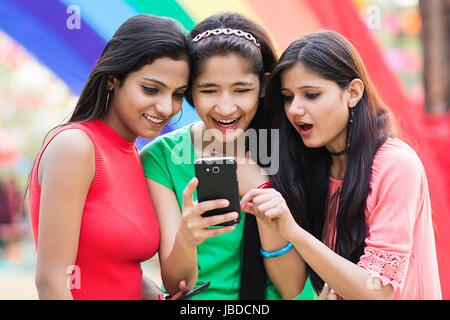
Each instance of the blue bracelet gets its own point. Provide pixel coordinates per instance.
(275, 254)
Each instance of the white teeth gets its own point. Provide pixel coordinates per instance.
(154, 120)
(226, 123)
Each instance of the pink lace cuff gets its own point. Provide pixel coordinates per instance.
(389, 267)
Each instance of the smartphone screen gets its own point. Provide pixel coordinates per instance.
(217, 179)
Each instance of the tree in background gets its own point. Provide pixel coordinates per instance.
(436, 54)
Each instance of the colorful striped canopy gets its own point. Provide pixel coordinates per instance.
(40, 26)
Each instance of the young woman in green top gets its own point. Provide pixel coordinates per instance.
(230, 58)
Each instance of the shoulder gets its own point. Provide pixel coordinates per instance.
(396, 165)
(397, 155)
(72, 141)
(68, 149)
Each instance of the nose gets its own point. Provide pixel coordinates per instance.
(225, 105)
(164, 106)
(296, 107)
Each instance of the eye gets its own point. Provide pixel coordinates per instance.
(287, 98)
(312, 96)
(242, 90)
(150, 90)
(208, 91)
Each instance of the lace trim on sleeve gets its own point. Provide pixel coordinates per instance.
(389, 267)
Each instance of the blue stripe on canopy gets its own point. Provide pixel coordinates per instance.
(47, 47)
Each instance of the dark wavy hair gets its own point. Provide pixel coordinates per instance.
(303, 177)
(262, 60)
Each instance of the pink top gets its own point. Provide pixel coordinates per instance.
(119, 229)
(400, 244)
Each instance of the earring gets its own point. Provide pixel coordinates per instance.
(107, 101)
(350, 119)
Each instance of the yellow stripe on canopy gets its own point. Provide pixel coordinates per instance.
(199, 10)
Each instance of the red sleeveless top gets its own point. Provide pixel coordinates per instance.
(119, 229)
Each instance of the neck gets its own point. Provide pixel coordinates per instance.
(338, 167)
(111, 119)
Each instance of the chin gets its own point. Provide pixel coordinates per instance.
(149, 134)
(312, 144)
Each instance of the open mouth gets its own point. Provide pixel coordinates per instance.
(305, 128)
(228, 124)
(153, 120)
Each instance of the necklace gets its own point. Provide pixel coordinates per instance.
(338, 154)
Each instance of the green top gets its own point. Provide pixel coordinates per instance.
(169, 160)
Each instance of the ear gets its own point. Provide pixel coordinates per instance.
(112, 83)
(355, 92)
(264, 84)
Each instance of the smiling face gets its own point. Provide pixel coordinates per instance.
(226, 94)
(146, 100)
(316, 107)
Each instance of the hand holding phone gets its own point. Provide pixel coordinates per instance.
(194, 228)
(218, 180)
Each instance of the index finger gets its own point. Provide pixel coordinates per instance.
(248, 197)
(188, 192)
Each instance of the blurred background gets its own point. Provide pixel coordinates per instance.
(48, 47)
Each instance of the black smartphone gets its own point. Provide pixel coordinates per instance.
(217, 179)
(192, 293)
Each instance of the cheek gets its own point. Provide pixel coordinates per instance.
(130, 96)
(202, 105)
(249, 105)
(331, 118)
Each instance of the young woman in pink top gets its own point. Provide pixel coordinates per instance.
(91, 212)
(350, 197)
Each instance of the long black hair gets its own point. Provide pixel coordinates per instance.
(139, 41)
(303, 176)
(262, 59)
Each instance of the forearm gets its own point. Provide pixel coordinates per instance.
(287, 272)
(180, 264)
(346, 278)
(53, 288)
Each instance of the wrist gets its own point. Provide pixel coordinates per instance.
(184, 241)
(294, 233)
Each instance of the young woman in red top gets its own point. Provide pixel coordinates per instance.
(90, 209)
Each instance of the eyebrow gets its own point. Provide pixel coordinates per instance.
(210, 84)
(304, 87)
(163, 84)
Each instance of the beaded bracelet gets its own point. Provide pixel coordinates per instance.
(275, 254)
